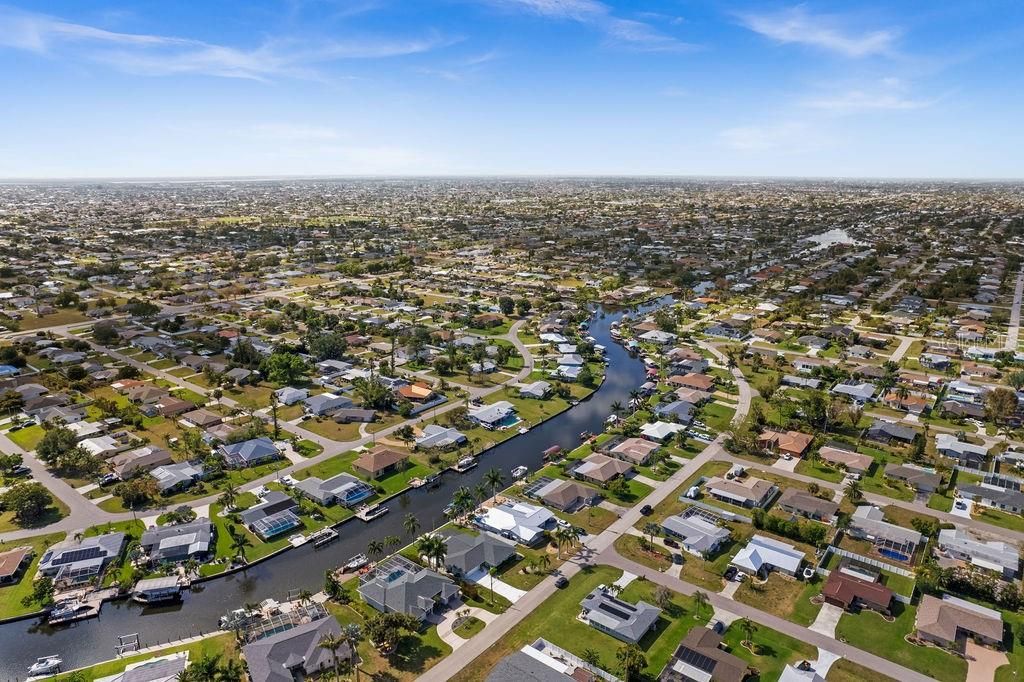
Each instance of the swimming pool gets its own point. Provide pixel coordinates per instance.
(893, 554)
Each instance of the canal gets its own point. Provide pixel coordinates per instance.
(91, 641)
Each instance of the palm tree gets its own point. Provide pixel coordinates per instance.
(853, 492)
(902, 393)
(375, 548)
(651, 529)
(631, 661)
(332, 643)
(565, 537)
(434, 548)
(462, 500)
(542, 563)
(239, 543)
(634, 399)
(748, 628)
(228, 495)
(411, 525)
(351, 635)
(231, 671)
(480, 492)
(700, 600)
(616, 407)
(494, 479)
(392, 541)
(305, 596)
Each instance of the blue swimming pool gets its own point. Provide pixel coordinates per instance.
(893, 554)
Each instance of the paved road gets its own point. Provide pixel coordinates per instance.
(1013, 330)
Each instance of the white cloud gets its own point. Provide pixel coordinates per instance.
(624, 32)
(790, 136)
(796, 25)
(157, 55)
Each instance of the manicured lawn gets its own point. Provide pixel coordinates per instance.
(1000, 518)
(592, 519)
(556, 622)
(819, 470)
(848, 671)
(223, 645)
(468, 627)
(871, 632)
(52, 514)
(343, 464)
(415, 654)
(784, 597)
(717, 416)
(308, 448)
(328, 428)
(11, 595)
(1014, 649)
(652, 556)
(27, 438)
(775, 650)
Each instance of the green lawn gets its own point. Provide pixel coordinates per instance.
(468, 627)
(871, 632)
(782, 596)
(224, 645)
(11, 595)
(820, 470)
(848, 671)
(774, 650)
(556, 622)
(1000, 518)
(27, 438)
(52, 514)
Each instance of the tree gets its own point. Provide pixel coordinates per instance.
(1016, 379)
(853, 492)
(700, 602)
(748, 628)
(494, 479)
(1001, 404)
(136, 492)
(55, 442)
(373, 394)
(586, 376)
(463, 500)
(392, 541)
(565, 537)
(27, 501)
(506, 305)
(523, 306)
(228, 495)
(663, 597)
(631, 661)
(351, 634)
(375, 548)
(411, 524)
(284, 368)
(434, 548)
(239, 543)
(327, 346)
(591, 657)
(10, 402)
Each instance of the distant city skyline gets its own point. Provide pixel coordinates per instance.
(315, 88)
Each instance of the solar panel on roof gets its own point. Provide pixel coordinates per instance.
(697, 660)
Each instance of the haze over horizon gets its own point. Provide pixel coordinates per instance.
(322, 88)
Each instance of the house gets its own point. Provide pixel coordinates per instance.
(345, 489)
(678, 410)
(868, 523)
(749, 492)
(935, 361)
(538, 390)
(697, 531)
(624, 621)
(658, 337)
(472, 555)
(635, 450)
(989, 495)
(295, 653)
(700, 658)
(325, 403)
(145, 394)
(850, 593)
(171, 478)
(398, 585)
(961, 409)
(249, 453)
(915, 403)
(169, 406)
(862, 392)
(105, 446)
(882, 431)
(796, 501)
(240, 375)
(417, 393)
(202, 418)
(919, 478)
(13, 563)
(854, 462)
(950, 621)
(272, 503)
(966, 392)
(697, 382)
(290, 395)
(801, 382)
(532, 665)
(177, 543)
(139, 459)
(437, 436)
(160, 669)
(785, 442)
(379, 462)
(997, 556)
(966, 454)
(659, 432)
(565, 496)
(763, 555)
(497, 415)
(348, 415)
(519, 521)
(599, 468)
(77, 561)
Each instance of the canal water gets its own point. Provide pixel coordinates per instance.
(91, 641)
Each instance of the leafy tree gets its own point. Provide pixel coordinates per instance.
(523, 306)
(10, 402)
(631, 661)
(284, 368)
(141, 308)
(127, 372)
(373, 394)
(1001, 404)
(586, 376)
(27, 501)
(327, 346)
(136, 492)
(506, 305)
(105, 334)
(55, 442)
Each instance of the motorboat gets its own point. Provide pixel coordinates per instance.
(45, 665)
(356, 562)
(66, 611)
(519, 472)
(369, 513)
(323, 537)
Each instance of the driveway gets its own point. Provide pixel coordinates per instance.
(982, 662)
(785, 465)
(483, 579)
(827, 620)
(966, 511)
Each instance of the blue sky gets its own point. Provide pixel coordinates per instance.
(397, 87)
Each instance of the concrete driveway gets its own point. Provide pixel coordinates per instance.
(827, 620)
(483, 579)
(786, 465)
(982, 662)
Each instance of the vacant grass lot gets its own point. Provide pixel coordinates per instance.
(784, 597)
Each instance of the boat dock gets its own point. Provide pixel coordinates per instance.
(86, 605)
(370, 512)
(323, 537)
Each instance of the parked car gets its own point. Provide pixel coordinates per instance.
(107, 479)
(730, 573)
(646, 510)
(561, 581)
(19, 470)
(669, 542)
(677, 558)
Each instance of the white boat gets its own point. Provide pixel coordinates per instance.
(356, 562)
(465, 464)
(66, 611)
(519, 472)
(45, 665)
(323, 537)
(371, 512)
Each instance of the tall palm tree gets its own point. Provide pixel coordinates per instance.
(494, 479)
(332, 643)
(351, 635)
(480, 492)
(305, 596)
(411, 525)
(616, 407)
(565, 537)
(239, 543)
(228, 495)
(375, 548)
(748, 628)
(462, 500)
(392, 541)
(231, 671)
(853, 492)
(700, 601)
(434, 548)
